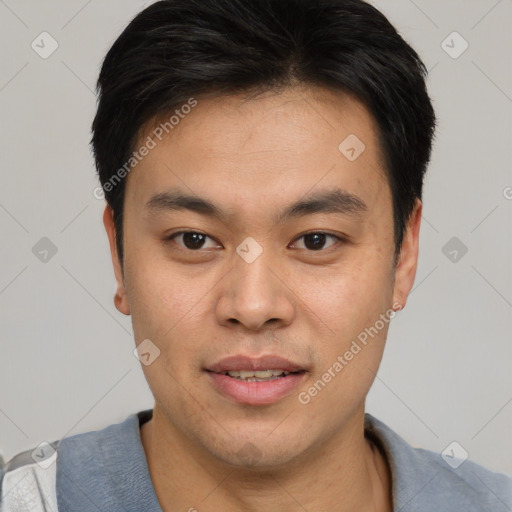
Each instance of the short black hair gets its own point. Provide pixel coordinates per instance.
(175, 50)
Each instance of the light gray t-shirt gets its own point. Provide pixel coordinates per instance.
(106, 470)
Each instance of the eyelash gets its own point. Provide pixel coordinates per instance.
(339, 239)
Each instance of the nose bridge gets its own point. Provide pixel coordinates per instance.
(255, 294)
(252, 268)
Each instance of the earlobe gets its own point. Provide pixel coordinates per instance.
(408, 259)
(120, 298)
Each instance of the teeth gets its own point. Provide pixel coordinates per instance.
(259, 374)
(263, 374)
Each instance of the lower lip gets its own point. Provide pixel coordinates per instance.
(256, 393)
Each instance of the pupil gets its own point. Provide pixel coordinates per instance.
(318, 241)
(193, 240)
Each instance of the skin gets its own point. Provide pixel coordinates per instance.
(253, 157)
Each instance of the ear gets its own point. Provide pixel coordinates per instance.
(405, 271)
(120, 299)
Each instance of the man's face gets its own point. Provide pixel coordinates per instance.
(254, 285)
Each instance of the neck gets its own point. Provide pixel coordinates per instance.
(346, 473)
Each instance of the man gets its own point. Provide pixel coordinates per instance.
(262, 163)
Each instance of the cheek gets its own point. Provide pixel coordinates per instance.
(349, 305)
(160, 298)
(169, 307)
(349, 297)
(348, 367)
(165, 310)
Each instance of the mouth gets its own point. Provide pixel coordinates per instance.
(259, 375)
(255, 381)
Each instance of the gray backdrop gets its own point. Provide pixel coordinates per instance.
(66, 363)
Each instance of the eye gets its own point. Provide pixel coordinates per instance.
(316, 240)
(195, 240)
(192, 240)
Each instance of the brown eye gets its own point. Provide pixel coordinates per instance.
(192, 240)
(315, 241)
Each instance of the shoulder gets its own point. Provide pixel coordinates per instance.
(62, 474)
(426, 480)
(468, 486)
(28, 482)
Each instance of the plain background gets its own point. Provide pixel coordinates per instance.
(66, 363)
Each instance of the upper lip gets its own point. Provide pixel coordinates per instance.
(243, 362)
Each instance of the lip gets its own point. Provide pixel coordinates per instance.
(255, 393)
(243, 362)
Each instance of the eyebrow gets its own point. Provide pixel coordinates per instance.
(328, 201)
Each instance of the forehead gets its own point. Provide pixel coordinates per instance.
(249, 148)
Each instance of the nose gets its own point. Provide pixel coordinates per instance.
(255, 294)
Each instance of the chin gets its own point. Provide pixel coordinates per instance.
(258, 449)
